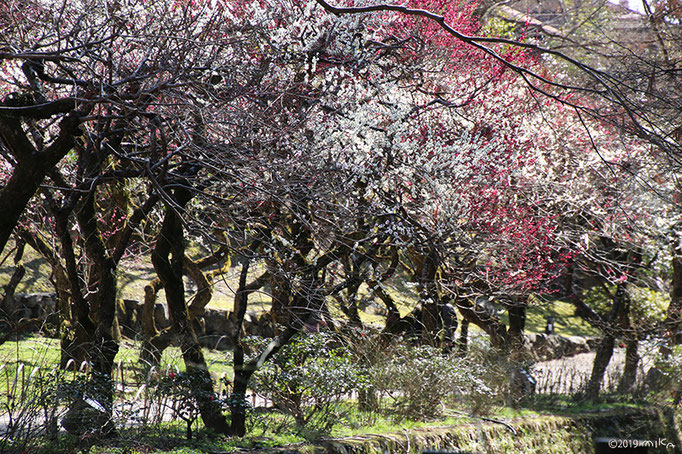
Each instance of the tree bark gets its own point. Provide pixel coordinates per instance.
(475, 314)
(517, 324)
(153, 341)
(601, 362)
(673, 320)
(463, 339)
(431, 304)
(242, 370)
(77, 325)
(14, 281)
(281, 300)
(170, 271)
(605, 349)
(351, 308)
(615, 322)
(629, 377)
(242, 375)
(204, 284)
(102, 291)
(31, 167)
(393, 314)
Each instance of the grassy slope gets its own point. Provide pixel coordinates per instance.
(37, 351)
(566, 323)
(37, 277)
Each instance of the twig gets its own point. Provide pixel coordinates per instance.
(483, 418)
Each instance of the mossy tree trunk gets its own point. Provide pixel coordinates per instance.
(97, 334)
(154, 342)
(601, 362)
(168, 260)
(491, 324)
(32, 164)
(425, 271)
(280, 289)
(463, 339)
(77, 324)
(517, 323)
(102, 290)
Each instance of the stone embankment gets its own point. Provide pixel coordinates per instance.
(216, 324)
(546, 347)
(654, 430)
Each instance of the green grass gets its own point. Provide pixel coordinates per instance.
(35, 351)
(567, 324)
(135, 274)
(573, 405)
(382, 425)
(535, 430)
(31, 351)
(167, 438)
(37, 277)
(26, 358)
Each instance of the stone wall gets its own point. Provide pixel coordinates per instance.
(546, 347)
(216, 326)
(25, 306)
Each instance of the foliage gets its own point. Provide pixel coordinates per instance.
(650, 305)
(307, 379)
(668, 362)
(415, 382)
(178, 390)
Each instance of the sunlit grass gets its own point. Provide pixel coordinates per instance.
(35, 356)
(566, 324)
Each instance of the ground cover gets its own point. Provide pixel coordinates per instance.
(33, 358)
(269, 425)
(541, 427)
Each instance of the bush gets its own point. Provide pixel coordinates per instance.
(30, 404)
(177, 391)
(307, 378)
(419, 380)
(668, 364)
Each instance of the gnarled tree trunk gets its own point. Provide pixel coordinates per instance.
(168, 260)
(154, 342)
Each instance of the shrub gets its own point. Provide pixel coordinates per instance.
(668, 364)
(307, 378)
(420, 379)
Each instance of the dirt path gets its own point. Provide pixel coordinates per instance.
(569, 375)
